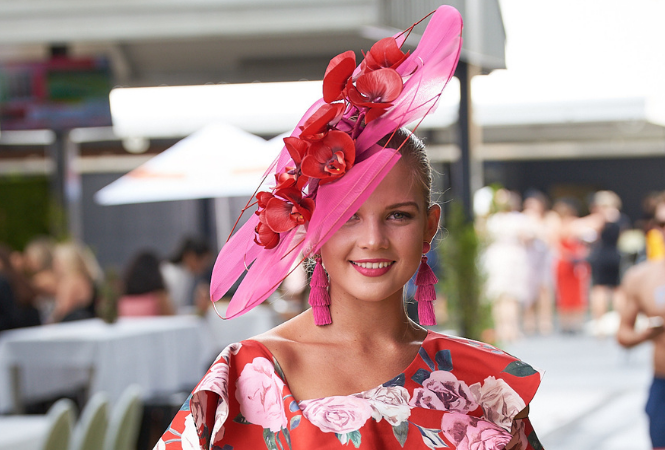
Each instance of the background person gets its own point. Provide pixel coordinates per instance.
(655, 235)
(539, 306)
(185, 274)
(644, 289)
(571, 268)
(506, 264)
(38, 266)
(608, 223)
(144, 290)
(17, 297)
(77, 275)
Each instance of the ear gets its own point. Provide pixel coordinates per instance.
(432, 225)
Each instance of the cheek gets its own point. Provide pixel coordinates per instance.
(330, 253)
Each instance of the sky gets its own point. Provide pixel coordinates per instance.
(580, 49)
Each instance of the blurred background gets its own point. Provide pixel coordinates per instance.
(133, 133)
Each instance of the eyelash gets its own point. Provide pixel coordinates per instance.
(403, 215)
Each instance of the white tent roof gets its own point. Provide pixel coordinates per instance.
(219, 160)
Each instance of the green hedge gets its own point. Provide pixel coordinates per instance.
(24, 209)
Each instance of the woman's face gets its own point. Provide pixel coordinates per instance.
(375, 253)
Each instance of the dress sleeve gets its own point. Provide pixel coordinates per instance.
(202, 417)
(500, 384)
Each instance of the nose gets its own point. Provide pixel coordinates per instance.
(373, 235)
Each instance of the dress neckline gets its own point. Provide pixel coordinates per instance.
(281, 374)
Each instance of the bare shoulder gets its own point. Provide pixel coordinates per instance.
(284, 340)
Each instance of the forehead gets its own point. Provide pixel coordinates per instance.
(399, 185)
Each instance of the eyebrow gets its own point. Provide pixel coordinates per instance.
(403, 204)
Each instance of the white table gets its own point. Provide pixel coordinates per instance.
(225, 332)
(161, 354)
(23, 432)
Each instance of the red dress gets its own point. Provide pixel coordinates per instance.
(456, 393)
(572, 276)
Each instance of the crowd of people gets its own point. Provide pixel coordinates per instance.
(51, 282)
(551, 266)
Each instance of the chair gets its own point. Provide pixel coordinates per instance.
(61, 418)
(91, 427)
(125, 421)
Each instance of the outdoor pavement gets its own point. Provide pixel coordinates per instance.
(593, 393)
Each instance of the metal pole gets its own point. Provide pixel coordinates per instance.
(462, 168)
(467, 171)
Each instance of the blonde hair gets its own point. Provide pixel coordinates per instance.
(414, 154)
(75, 258)
(607, 199)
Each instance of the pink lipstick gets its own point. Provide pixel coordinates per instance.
(372, 267)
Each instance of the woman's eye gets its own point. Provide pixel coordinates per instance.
(399, 215)
(353, 217)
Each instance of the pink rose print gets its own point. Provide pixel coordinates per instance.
(444, 392)
(259, 393)
(216, 380)
(499, 401)
(337, 414)
(473, 433)
(390, 403)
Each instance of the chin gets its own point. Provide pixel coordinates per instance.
(373, 295)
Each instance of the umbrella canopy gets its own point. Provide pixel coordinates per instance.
(218, 161)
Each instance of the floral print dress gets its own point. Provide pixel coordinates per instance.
(456, 394)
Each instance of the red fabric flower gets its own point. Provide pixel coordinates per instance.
(318, 123)
(289, 211)
(262, 199)
(384, 54)
(330, 158)
(375, 90)
(297, 148)
(291, 177)
(265, 237)
(339, 70)
(280, 212)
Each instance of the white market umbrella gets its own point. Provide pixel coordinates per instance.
(219, 160)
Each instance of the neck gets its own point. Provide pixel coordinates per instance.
(367, 321)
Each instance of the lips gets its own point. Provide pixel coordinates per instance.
(372, 267)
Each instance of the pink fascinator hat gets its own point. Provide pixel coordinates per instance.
(331, 163)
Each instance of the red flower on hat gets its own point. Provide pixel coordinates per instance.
(290, 177)
(375, 90)
(265, 237)
(330, 158)
(289, 211)
(339, 70)
(297, 148)
(280, 212)
(321, 150)
(318, 123)
(384, 54)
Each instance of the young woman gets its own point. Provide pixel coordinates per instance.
(354, 370)
(77, 276)
(144, 290)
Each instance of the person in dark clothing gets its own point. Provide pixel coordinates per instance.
(605, 258)
(16, 296)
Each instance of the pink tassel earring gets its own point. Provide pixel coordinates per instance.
(319, 297)
(425, 293)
